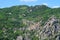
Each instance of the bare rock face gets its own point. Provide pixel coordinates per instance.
(19, 38)
(58, 38)
(34, 26)
(51, 29)
(31, 25)
(23, 38)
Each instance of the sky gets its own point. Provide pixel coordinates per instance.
(50, 3)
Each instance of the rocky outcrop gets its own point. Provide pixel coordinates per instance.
(34, 26)
(51, 29)
(19, 38)
(31, 25)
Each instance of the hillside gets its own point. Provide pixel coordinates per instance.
(28, 23)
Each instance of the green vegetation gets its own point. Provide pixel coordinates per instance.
(11, 19)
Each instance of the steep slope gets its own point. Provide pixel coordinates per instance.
(15, 20)
(51, 30)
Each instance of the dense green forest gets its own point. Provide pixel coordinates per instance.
(11, 19)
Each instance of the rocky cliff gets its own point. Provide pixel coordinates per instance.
(50, 30)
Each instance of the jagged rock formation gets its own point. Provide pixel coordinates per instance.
(50, 30)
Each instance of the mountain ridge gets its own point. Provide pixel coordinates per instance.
(27, 22)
